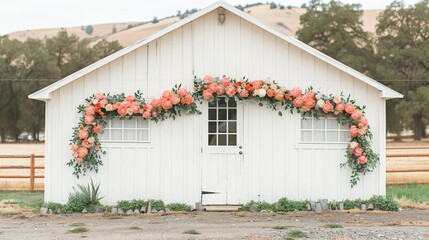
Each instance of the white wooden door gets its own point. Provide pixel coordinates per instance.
(222, 152)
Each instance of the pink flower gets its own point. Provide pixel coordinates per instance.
(74, 147)
(88, 119)
(358, 151)
(350, 108)
(183, 92)
(189, 99)
(130, 98)
(362, 131)
(135, 106)
(364, 121)
(244, 93)
(175, 100)
(362, 159)
(99, 96)
(230, 90)
(155, 103)
(207, 94)
(279, 96)
(167, 94)
(96, 129)
(309, 94)
(122, 111)
(354, 131)
(213, 87)
(89, 110)
(284, 89)
(154, 114)
(146, 114)
(298, 102)
(327, 108)
(225, 81)
(83, 133)
(97, 148)
(356, 115)
(257, 84)
(82, 152)
(208, 78)
(271, 92)
(167, 105)
(79, 161)
(86, 144)
(103, 103)
(296, 92)
(220, 90)
(310, 103)
(340, 107)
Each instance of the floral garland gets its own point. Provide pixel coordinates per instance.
(86, 146)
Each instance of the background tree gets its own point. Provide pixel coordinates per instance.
(335, 29)
(403, 48)
(89, 29)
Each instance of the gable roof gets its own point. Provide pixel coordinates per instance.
(386, 92)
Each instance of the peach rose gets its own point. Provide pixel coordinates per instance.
(356, 115)
(225, 81)
(213, 87)
(257, 84)
(349, 108)
(88, 119)
(89, 110)
(340, 107)
(103, 103)
(91, 140)
(155, 103)
(109, 107)
(86, 144)
(83, 133)
(271, 92)
(354, 131)
(296, 92)
(99, 96)
(130, 98)
(82, 152)
(230, 90)
(310, 103)
(96, 129)
(122, 111)
(358, 151)
(175, 100)
(298, 102)
(79, 161)
(154, 114)
(279, 96)
(189, 99)
(208, 78)
(97, 148)
(74, 147)
(167, 105)
(362, 159)
(309, 94)
(146, 114)
(337, 99)
(220, 90)
(362, 131)
(167, 94)
(244, 93)
(364, 121)
(207, 94)
(183, 92)
(327, 108)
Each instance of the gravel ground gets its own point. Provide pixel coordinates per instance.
(407, 224)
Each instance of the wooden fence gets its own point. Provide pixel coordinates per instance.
(420, 173)
(32, 167)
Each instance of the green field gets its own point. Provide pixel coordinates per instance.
(26, 199)
(418, 193)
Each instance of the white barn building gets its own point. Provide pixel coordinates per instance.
(272, 156)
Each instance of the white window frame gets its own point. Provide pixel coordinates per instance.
(122, 128)
(340, 128)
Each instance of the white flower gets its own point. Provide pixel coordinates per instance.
(256, 92)
(353, 145)
(262, 92)
(320, 103)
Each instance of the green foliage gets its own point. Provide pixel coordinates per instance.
(402, 35)
(273, 5)
(178, 207)
(333, 225)
(296, 234)
(260, 206)
(157, 204)
(86, 198)
(78, 230)
(418, 193)
(130, 205)
(384, 203)
(286, 205)
(155, 20)
(281, 227)
(304, 5)
(55, 207)
(281, 7)
(191, 231)
(335, 29)
(25, 199)
(135, 228)
(89, 29)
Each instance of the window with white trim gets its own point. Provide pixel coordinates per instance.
(126, 130)
(323, 130)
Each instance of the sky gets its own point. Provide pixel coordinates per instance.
(18, 15)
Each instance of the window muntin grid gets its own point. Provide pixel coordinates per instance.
(222, 122)
(323, 130)
(126, 130)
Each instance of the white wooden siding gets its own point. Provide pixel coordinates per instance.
(169, 167)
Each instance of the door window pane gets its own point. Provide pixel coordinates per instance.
(221, 102)
(212, 127)
(212, 114)
(222, 140)
(126, 130)
(232, 127)
(232, 102)
(232, 140)
(222, 123)
(222, 127)
(212, 140)
(222, 114)
(323, 130)
(232, 114)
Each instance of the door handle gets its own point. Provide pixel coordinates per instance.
(241, 152)
(240, 147)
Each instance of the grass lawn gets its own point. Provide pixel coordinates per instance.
(26, 199)
(418, 193)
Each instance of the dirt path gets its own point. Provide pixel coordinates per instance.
(407, 224)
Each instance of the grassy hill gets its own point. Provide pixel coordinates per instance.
(285, 20)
